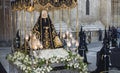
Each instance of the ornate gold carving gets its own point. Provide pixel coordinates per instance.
(53, 34)
(46, 40)
(39, 5)
(57, 42)
(36, 31)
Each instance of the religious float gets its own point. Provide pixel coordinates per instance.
(42, 50)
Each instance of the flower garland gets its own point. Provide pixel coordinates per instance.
(38, 65)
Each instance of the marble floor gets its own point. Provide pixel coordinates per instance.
(91, 56)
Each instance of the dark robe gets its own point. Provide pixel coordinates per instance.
(114, 37)
(82, 48)
(84, 40)
(103, 56)
(102, 60)
(46, 33)
(17, 40)
(100, 34)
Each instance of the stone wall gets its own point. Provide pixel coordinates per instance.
(94, 11)
(105, 12)
(5, 23)
(115, 12)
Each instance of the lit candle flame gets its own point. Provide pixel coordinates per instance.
(30, 9)
(26, 37)
(63, 35)
(68, 44)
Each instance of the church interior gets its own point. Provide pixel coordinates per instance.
(59, 36)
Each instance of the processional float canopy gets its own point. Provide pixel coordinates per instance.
(38, 5)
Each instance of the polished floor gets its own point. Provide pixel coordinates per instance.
(91, 56)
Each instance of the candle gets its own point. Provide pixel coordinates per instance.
(67, 33)
(68, 44)
(73, 41)
(63, 35)
(70, 35)
(26, 37)
(76, 43)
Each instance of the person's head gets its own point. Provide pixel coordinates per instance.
(44, 14)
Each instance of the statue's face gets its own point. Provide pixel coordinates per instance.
(44, 14)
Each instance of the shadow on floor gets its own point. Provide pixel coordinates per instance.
(2, 70)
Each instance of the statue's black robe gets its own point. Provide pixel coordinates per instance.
(46, 33)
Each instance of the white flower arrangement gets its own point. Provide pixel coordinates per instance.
(43, 69)
(43, 65)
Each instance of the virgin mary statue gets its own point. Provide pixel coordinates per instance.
(45, 31)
